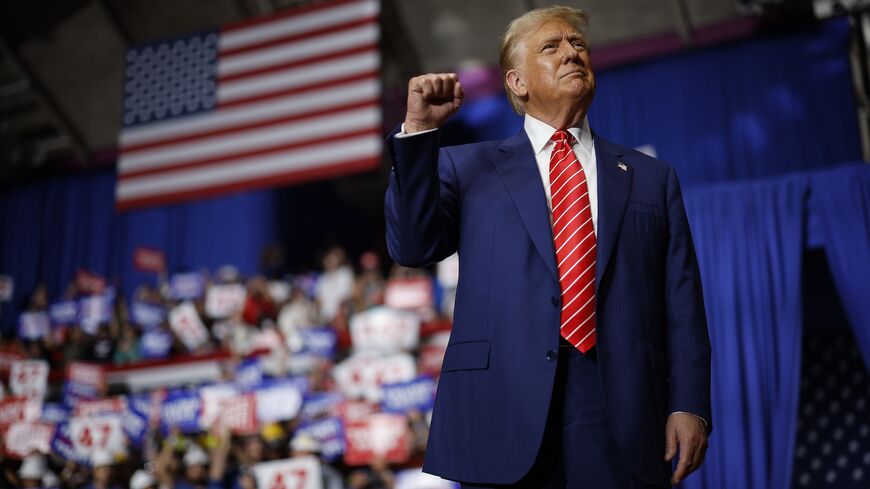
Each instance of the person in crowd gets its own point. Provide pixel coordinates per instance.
(102, 347)
(142, 479)
(32, 471)
(102, 470)
(127, 350)
(335, 284)
(258, 303)
(303, 445)
(196, 470)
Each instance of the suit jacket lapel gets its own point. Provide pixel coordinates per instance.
(614, 187)
(519, 172)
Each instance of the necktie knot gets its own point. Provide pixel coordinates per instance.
(562, 136)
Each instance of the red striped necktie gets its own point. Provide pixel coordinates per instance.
(574, 239)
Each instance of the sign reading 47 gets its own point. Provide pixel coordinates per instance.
(290, 473)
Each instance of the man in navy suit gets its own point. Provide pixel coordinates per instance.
(579, 362)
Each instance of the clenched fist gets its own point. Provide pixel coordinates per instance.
(432, 99)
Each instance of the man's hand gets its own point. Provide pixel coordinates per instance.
(686, 431)
(432, 99)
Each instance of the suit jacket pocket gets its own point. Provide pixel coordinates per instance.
(469, 355)
(645, 208)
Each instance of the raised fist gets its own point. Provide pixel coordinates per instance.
(432, 99)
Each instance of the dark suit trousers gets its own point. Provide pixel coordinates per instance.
(578, 451)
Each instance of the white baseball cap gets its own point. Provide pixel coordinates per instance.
(195, 456)
(32, 468)
(142, 480)
(305, 443)
(101, 458)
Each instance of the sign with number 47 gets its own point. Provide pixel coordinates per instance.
(290, 473)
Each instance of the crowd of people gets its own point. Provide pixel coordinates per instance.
(273, 324)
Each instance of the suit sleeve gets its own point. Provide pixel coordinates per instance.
(421, 204)
(687, 337)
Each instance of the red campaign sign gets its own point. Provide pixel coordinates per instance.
(149, 260)
(89, 282)
(409, 293)
(355, 411)
(239, 414)
(29, 378)
(19, 409)
(380, 436)
(88, 374)
(97, 433)
(108, 405)
(8, 356)
(290, 473)
(22, 439)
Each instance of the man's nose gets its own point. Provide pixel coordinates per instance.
(569, 54)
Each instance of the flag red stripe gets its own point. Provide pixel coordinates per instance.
(302, 35)
(224, 158)
(126, 150)
(292, 12)
(300, 89)
(297, 176)
(297, 62)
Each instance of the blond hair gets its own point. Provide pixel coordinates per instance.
(520, 27)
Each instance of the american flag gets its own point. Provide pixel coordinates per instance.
(287, 98)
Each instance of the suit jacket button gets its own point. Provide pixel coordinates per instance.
(551, 355)
(555, 301)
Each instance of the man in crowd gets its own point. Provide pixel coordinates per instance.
(579, 355)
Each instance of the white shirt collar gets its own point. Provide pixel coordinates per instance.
(540, 133)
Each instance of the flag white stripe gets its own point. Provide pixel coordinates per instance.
(297, 24)
(297, 49)
(253, 139)
(250, 168)
(251, 113)
(297, 76)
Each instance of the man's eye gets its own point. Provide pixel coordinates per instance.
(549, 46)
(579, 45)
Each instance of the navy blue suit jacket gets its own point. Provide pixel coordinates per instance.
(486, 201)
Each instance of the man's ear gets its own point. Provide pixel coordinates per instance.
(516, 83)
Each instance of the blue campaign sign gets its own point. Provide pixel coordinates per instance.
(134, 421)
(249, 374)
(183, 286)
(54, 412)
(155, 344)
(95, 310)
(181, 409)
(33, 325)
(62, 445)
(64, 312)
(146, 314)
(330, 433)
(319, 404)
(73, 391)
(402, 397)
(319, 341)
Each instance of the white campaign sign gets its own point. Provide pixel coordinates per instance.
(290, 473)
(278, 403)
(362, 374)
(385, 329)
(187, 325)
(28, 378)
(223, 300)
(212, 397)
(89, 433)
(23, 438)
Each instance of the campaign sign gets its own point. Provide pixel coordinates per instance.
(91, 433)
(87, 374)
(431, 358)
(19, 409)
(239, 414)
(89, 282)
(212, 398)
(223, 300)
(278, 402)
(33, 325)
(108, 405)
(155, 344)
(146, 314)
(320, 404)
(62, 445)
(186, 286)
(187, 325)
(73, 393)
(320, 342)
(330, 433)
(410, 294)
(94, 310)
(22, 439)
(54, 412)
(417, 479)
(7, 287)
(29, 378)
(385, 329)
(135, 425)
(354, 411)
(148, 259)
(289, 473)
(362, 374)
(180, 409)
(7, 356)
(380, 436)
(249, 374)
(418, 394)
(64, 312)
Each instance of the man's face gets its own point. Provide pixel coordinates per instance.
(554, 68)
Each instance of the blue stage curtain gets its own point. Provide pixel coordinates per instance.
(839, 208)
(749, 239)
